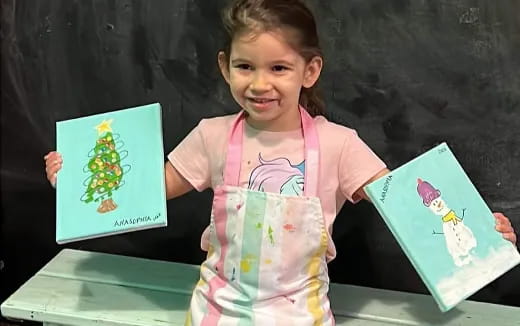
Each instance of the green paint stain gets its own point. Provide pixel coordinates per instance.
(270, 234)
(259, 225)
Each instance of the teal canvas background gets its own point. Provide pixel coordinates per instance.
(141, 200)
(413, 224)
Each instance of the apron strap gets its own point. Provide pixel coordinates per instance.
(312, 154)
(311, 144)
(234, 151)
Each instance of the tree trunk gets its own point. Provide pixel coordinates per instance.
(107, 205)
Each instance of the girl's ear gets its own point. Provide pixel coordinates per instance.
(312, 71)
(223, 64)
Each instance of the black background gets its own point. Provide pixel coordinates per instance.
(406, 74)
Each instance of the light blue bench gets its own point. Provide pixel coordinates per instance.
(87, 288)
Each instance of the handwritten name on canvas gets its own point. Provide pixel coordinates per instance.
(386, 186)
(136, 220)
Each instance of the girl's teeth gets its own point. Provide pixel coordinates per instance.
(260, 100)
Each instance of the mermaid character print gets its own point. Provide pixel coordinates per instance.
(278, 176)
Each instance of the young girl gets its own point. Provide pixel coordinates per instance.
(280, 173)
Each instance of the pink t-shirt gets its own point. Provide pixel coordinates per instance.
(274, 162)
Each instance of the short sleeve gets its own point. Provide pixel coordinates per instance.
(191, 160)
(358, 163)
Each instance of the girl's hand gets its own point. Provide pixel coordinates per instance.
(503, 225)
(53, 164)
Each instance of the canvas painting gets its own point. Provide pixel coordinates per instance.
(112, 179)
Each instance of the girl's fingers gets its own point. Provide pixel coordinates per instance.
(52, 179)
(49, 155)
(52, 171)
(510, 236)
(503, 225)
(504, 222)
(54, 168)
(501, 219)
(499, 216)
(52, 156)
(504, 228)
(52, 162)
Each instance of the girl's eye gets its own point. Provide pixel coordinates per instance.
(244, 66)
(279, 68)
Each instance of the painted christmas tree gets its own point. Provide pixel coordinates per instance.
(105, 169)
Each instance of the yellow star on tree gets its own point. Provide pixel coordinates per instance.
(104, 126)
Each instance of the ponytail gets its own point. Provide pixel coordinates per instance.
(312, 101)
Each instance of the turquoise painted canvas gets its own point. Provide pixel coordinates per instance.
(112, 178)
(443, 225)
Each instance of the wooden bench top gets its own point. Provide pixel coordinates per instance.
(88, 288)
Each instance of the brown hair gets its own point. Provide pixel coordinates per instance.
(268, 15)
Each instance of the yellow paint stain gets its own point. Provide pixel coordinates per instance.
(211, 250)
(313, 300)
(268, 261)
(201, 283)
(246, 262)
(188, 318)
(245, 266)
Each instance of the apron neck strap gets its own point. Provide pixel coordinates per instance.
(312, 154)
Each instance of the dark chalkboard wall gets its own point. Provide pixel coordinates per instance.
(406, 74)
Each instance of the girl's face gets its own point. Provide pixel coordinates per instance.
(266, 75)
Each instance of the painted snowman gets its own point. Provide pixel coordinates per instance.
(459, 238)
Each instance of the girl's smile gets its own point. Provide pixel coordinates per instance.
(260, 103)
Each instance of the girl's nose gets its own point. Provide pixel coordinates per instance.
(260, 83)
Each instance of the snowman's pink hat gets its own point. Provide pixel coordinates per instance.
(427, 192)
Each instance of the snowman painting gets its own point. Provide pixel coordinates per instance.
(459, 238)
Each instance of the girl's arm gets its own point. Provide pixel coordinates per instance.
(176, 184)
(361, 193)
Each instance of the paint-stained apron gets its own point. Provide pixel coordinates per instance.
(266, 262)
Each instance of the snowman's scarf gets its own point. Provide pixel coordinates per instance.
(451, 217)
